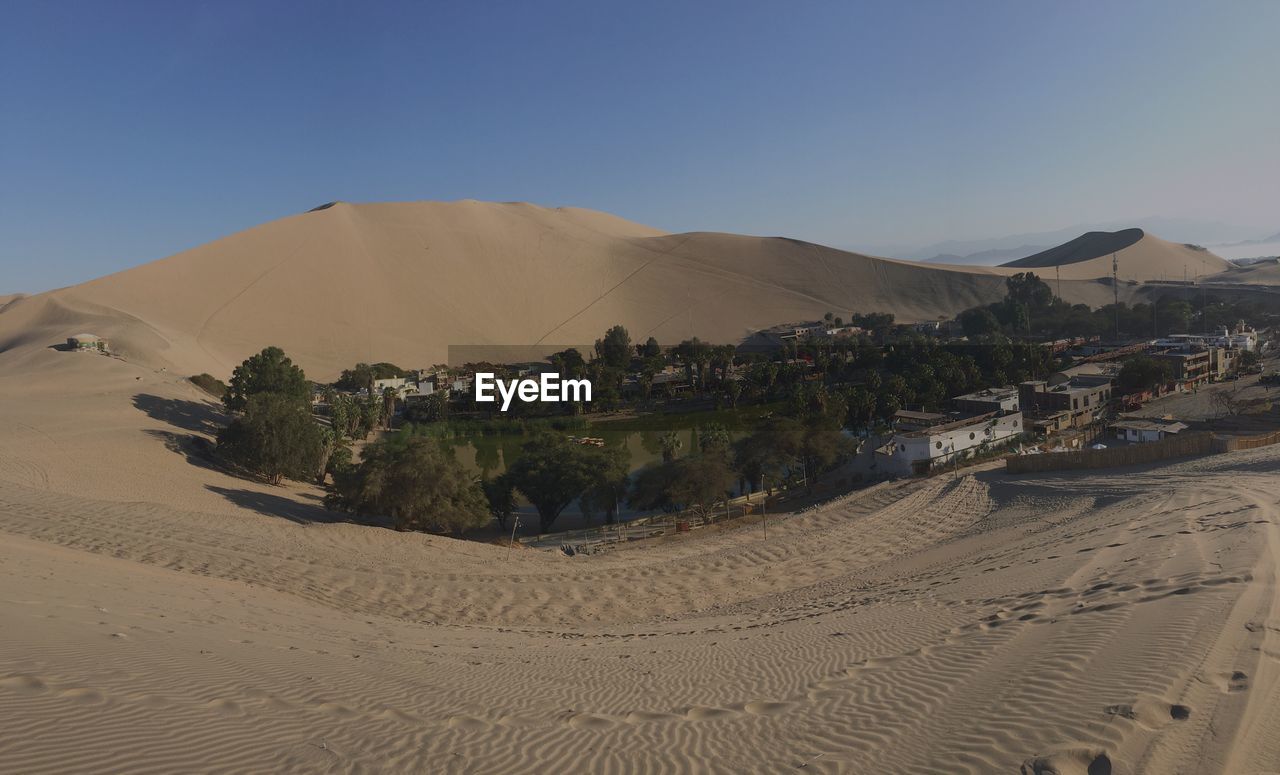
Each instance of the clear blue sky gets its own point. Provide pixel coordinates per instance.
(130, 131)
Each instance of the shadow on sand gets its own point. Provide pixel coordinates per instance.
(288, 508)
(193, 416)
(198, 450)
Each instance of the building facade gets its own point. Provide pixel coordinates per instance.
(918, 451)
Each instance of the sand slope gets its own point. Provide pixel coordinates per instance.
(959, 626)
(404, 281)
(1141, 256)
(160, 615)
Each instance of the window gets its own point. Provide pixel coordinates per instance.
(972, 436)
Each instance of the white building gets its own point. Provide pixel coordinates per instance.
(1242, 338)
(1146, 430)
(918, 451)
(403, 386)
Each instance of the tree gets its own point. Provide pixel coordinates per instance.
(615, 348)
(609, 486)
(1142, 372)
(363, 375)
(270, 371)
(1028, 289)
(275, 438)
(1228, 402)
(649, 349)
(416, 483)
(671, 485)
(713, 439)
(551, 472)
(978, 321)
(501, 495)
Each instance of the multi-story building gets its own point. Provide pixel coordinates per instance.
(1001, 399)
(1073, 403)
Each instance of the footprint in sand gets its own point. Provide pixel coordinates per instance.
(767, 707)
(588, 721)
(25, 684)
(1237, 682)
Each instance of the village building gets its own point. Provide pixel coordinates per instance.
(1189, 368)
(87, 342)
(1076, 402)
(1140, 431)
(1001, 399)
(920, 444)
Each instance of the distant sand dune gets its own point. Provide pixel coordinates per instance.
(1141, 257)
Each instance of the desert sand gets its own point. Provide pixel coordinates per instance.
(404, 281)
(161, 616)
(1140, 257)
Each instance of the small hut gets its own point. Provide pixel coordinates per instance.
(81, 342)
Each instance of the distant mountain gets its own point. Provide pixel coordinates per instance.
(985, 257)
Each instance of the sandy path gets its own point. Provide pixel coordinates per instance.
(944, 626)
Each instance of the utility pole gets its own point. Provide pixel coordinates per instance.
(1115, 289)
(764, 501)
(1057, 269)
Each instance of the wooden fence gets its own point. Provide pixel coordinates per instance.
(1233, 443)
(1182, 445)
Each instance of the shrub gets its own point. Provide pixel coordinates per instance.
(210, 384)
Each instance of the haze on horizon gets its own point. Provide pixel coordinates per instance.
(140, 129)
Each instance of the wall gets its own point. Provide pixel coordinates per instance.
(1182, 445)
(1232, 443)
(954, 442)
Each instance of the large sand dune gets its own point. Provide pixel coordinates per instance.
(1140, 256)
(404, 281)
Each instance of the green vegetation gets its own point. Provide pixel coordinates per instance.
(210, 384)
(274, 438)
(1142, 373)
(552, 472)
(363, 375)
(270, 371)
(416, 483)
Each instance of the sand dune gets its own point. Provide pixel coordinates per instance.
(161, 615)
(1141, 257)
(404, 281)
(962, 626)
(1262, 273)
